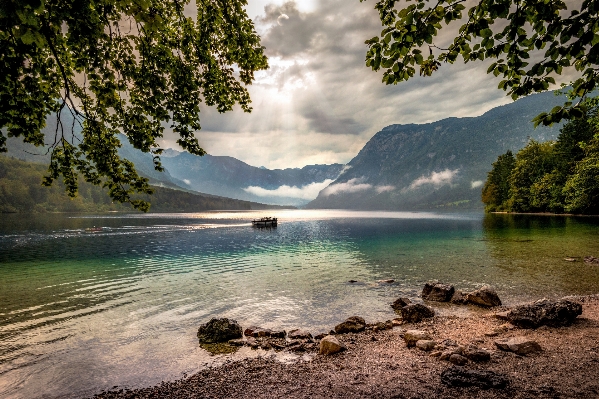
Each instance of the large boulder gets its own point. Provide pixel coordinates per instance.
(414, 313)
(351, 325)
(435, 291)
(545, 312)
(484, 296)
(219, 330)
(330, 345)
(462, 377)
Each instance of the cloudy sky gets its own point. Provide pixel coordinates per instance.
(318, 103)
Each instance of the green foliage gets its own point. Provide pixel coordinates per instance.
(582, 188)
(560, 176)
(530, 42)
(533, 162)
(497, 188)
(119, 67)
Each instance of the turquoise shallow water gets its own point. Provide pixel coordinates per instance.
(89, 302)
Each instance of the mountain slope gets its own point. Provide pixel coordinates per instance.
(230, 177)
(21, 191)
(439, 164)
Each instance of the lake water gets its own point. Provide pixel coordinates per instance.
(90, 302)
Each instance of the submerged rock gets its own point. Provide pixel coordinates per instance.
(545, 312)
(484, 296)
(219, 330)
(485, 379)
(416, 312)
(459, 298)
(299, 334)
(400, 303)
(436, 291)
(330, 345)
(351, 325)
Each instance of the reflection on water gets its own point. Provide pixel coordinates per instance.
(88, 302)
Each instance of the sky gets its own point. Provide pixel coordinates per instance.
(318, 103)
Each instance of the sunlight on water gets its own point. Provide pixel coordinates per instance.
(92, 301)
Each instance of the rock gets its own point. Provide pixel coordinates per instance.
(351, 325)
(426, 344)
(458, 359)
(219, 330)
(591, 259)
(251, 341)
(435, 354)
(236, 342)
(278, 334)
(545, 312)
(296, 346)
(501, 315)
(388, 281)
(387, 325)
(435, 291)
(476, 354)
(484, 296)
(413, 336)
(570, 259)
(519, 345)
(449, 342)
(459, 298)
(485, 379)
(446, 354)
(416, 312)
(400, 303)
(352, 281)
(330, 345)
(396, 322)
(299, 334)
(320, 336)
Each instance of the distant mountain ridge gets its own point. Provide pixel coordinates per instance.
(435, 165)
(230, 177)
(213, 175)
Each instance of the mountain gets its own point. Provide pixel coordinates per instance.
(230, 177)
(143, 161)
(436, 165)
(213, 175)
(21, 191)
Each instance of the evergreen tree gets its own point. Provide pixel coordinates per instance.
(496, 189)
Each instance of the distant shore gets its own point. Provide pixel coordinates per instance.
(377, 364)
(542, 214)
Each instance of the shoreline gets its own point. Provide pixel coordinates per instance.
(542, 214)
(378, 364)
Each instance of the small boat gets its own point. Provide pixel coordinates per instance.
(265, 222)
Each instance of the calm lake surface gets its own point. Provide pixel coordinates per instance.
(90, 302)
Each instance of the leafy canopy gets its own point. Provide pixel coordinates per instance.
(120, 66)
(530, 42)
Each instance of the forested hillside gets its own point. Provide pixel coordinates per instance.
(552, 176)
(21, 191)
